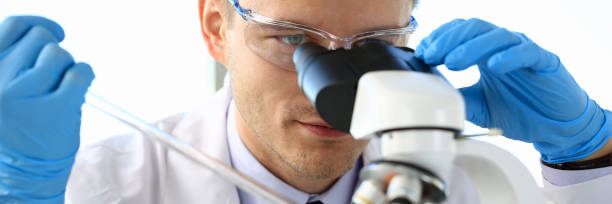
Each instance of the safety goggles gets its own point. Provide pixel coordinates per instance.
(276, 40)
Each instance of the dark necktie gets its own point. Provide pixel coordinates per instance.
(316, 202)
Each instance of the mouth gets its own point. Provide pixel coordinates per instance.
(321, 129)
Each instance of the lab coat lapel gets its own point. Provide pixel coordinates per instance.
(205, 130)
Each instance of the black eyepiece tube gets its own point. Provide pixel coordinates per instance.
(304, 52)
(329, 78)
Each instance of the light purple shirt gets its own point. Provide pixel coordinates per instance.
(569, 177)
(243, 161)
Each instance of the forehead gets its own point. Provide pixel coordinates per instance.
(337, 16)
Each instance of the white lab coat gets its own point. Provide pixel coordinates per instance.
(134, 169)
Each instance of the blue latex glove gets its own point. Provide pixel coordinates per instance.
(523, 89)
(41, 94)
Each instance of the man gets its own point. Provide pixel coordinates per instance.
(261, 123)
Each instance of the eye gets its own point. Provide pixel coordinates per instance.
(293, 40)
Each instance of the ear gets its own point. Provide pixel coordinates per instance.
(213, 27)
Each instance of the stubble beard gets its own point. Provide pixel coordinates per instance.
(303, 164)
(309, 166)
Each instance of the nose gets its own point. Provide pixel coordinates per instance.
(337, 44)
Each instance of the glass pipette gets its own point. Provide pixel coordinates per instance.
(218, 167)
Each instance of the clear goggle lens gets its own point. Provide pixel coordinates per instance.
(276, 44)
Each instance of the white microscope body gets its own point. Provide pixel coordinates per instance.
(418, 118)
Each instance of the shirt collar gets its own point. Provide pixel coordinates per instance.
(243, 161)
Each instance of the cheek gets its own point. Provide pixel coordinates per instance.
(254, 73)
(261, 90)
(255, 78)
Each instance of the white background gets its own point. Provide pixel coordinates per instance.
(149, 57)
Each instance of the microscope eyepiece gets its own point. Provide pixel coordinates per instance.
(304, 52)
(329, 78)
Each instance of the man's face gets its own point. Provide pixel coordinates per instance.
(276, 115)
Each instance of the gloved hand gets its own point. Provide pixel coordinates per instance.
(523, 89)
(41, 94)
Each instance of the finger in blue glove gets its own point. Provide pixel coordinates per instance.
(15, 27)
(523, 89)
(41, 94)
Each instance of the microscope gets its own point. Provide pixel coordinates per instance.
(376, 90)
(379, 91)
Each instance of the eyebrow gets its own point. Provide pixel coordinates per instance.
(274, 28)
(369, 29)
(297, 24)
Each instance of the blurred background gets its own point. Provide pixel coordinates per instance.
(149, 56)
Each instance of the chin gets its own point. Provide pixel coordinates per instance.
(326, 166)
(337, 154)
